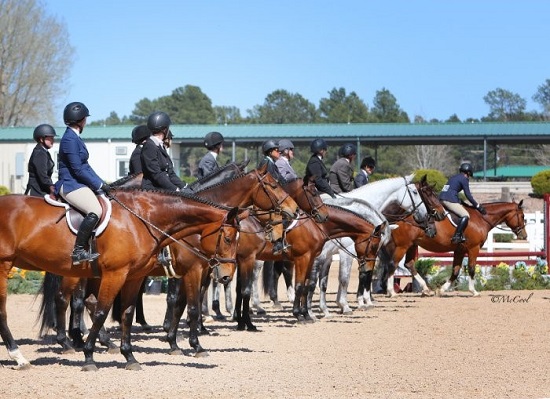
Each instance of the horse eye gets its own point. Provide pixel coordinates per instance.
(227, 240)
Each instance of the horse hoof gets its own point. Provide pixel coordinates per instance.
(427, 293)
(69, 351)
(146, 327)
(176, 352)
(135, 366)
(347, 312)
(113, 350)
(23, 366)
(89, 367)
(202, 354)
(252, 329)
(475, 294)
(208, 319)
(260, 311)
(277, 306)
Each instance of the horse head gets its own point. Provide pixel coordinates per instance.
(308, 199)
(430, 199)
(271, 194)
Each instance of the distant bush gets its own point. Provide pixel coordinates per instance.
(503, 237)
(541, 183)
(433, 176)
(4, 190)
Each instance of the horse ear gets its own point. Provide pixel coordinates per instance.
(263, 169)
(424, 179)
(244, 164)
(520, 205)
(232, 214)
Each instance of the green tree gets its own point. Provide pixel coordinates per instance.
(453, 119)
(189, 106)
(35, 60)
(386, 109)
(505, 106)
(342, 108)
(542, 96)
(227, 115)
(142, 110)
(282, 107)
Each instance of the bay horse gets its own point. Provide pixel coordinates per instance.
(141, 220)
(252, 241)
(380, 195)
(509, 213)
(256, 188)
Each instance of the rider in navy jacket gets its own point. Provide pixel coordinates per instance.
(449, 198)
(78, 182)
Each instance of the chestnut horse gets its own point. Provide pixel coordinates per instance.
(256, 188)
(142, 222)
(510, 213)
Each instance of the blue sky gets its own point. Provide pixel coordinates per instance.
(436, 57)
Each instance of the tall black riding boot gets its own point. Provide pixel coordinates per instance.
(82, 237)
(458, 237)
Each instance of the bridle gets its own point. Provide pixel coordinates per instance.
(315, 209)
(276, 203)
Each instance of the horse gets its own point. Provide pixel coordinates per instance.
(137, 222)
(257, 188)
(510, 213)
(380, 195)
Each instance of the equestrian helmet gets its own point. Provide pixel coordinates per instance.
(43, 130)
(348, 150)
(212, 139)
(140, 133)
(158, 121)
(285, 144)
(269, 145)
(74, 112)
(318, 145)
(466, 168)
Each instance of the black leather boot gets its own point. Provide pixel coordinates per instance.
(80, 254)
(458, 237)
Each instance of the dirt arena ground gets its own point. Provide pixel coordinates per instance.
(494, 346)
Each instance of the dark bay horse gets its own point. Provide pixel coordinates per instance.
(509, 213)
(32, 237)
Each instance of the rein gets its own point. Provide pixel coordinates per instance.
(213, 261)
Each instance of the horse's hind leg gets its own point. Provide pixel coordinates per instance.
(287, 270)
(13, 350)
(76, 319)
(140, 315)
(104, 336)
(256, 303)
(228, 298)
(216, 301)
(172, 291)
(457, 265)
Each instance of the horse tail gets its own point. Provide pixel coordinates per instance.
(47, 310)
(267, 276)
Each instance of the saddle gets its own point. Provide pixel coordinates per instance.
(74, 217)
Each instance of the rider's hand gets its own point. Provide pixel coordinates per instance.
(481, 210)
(106, 188)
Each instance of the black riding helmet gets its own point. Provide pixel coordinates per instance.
(269, 145)
(140, 133)
(42, 131)
(348, 150)
(318, 145)
(466, 168)
(212, 139)
(158, 121)
(74, 112)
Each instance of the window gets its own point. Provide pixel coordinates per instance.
(123, 166)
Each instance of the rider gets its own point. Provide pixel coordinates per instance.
(367, 168)
(286, 149)
(78, 182)
(341, 172)
(449, 198)
(40, 163)
(213, 142)
(158, 169)
(270, 149)
(316, 167)
(139, 135)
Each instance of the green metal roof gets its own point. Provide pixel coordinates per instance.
(367, 133)
(513, 171)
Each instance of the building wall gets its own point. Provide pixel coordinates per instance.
(109, 160)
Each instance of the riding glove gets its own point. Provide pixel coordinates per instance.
(105, 188)
(481, 210)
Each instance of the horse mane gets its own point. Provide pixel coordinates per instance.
(206, 178)
(179, 194)
(287, 182)
(348, 211)
(124, 180)
(226, 181)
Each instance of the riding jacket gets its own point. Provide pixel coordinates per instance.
(271, 168)
(316, 167)
(341, 176)
(285, 170)
(207, 164)
(455, 185)
(158, 169)
(40, 172)
(135, 160)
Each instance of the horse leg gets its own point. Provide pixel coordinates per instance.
(129, 293)
(346, 261)
(256, 303)
(13, 350)
(363, 290)
(245, 277)
(457, 265)
(287, 269)
(323, 264)
(76, 318)
(228, 298)
(172, 291)
(472, 258)
(311, 283)
(216, 301)
(104, 336)
(140, 316)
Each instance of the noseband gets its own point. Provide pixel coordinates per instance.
(276, 204)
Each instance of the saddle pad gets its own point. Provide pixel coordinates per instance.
(71, 213)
